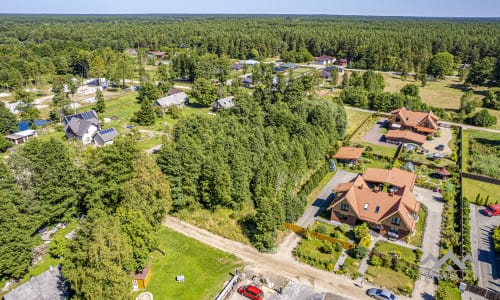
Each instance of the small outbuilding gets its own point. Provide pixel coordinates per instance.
(22, 136)
(349, 154)
(443, 173)
(404, 136)
(141, 280)
(224, 103)
(105, 137)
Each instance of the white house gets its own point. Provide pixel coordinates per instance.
(22, 136)
(223, 103)
(82, 126)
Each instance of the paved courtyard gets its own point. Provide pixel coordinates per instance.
(444, 139)
(485, 261)
(376, 134)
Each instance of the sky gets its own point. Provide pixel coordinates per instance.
(428, 8)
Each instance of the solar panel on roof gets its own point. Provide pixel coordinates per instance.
(106, 130)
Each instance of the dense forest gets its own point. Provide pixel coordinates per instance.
(33, 46)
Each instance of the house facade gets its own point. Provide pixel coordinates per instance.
(420, 122)
(21, 136)
(82, 126)
(393, 212)
(324, 60)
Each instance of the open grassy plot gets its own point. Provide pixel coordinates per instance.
(471, 188)
(350, 267)
(390, 279)
(319, 254)
(205, 268)
(481, 152)
(448, 290)
(331, 230)
(387, 248)
(444, 93)
(416, 239)
(354, 120)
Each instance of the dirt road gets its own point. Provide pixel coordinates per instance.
(279, 264)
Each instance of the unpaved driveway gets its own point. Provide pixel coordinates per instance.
(274, 263)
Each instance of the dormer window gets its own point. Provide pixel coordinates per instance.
(366, 206)
(344, 206)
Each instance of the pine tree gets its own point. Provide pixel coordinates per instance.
(146, 115)
(100, 105)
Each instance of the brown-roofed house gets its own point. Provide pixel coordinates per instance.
(404, 136)
(394, 213)
(422, 122)
(395, 177)
(348, 154)
(140, 280)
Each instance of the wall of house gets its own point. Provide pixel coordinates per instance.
(387, 225)
(342, 216)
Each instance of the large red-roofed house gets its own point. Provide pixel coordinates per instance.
(393, 213)
(421, 122)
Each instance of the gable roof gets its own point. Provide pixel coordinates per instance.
(224, 103)
(90, 116)
(394, 176)
(324, 58)
(107, 135)
(47, 286)
(78, 127)
(405, 136)
(175, 99)
(144, 273)
(325, 74)
(173, 91)
(412, 118)
(348, 153)
(376, 206)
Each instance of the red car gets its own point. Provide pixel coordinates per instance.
(251, 292)
(492, 210)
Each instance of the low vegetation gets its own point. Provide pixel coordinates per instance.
(417, 238)
(481, 152)
(204, 274)
(394, 267)
(480, 192)
(496, 238)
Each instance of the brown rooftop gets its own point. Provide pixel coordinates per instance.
(349, 153)
(394, 176)
(405, 136)
(142, 275)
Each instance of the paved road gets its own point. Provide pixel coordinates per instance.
(485, 263)
(424, 287)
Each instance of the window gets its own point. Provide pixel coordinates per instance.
(396, 220)
(366, 206)
(377, 209)
(344, 206)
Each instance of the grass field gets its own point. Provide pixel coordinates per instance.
(444, 93)
(205, 268)
(312, 254)
(390, 279)
(354, 119)
(351, 267)
(471, 188)
(387, 248)
(480, 152)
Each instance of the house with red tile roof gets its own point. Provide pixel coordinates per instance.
(348, 154)
(404, 136)
(420, 122)
(393, 213)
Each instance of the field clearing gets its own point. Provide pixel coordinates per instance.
(483, 145)
(354, 120)
(443, 93)
(471, 188)
(204, 274)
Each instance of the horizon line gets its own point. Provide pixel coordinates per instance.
(244, 14)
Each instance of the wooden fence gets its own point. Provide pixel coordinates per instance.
(322, 237)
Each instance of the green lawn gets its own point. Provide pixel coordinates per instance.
(329, 230)
(390, 279)
(354, 120)
(387, 248)
(447, 290)
(471, 188)
(205, 268)
(310, 251)
(416, 239)
(351, 267)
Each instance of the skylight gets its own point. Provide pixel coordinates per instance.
(377, 209)
(366, 206)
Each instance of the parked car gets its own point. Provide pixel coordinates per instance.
(130, 126)
(380, 294)
(492, 210)
(251, 292)
(440, 147)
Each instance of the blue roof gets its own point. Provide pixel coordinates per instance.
(106, 130)
(39, 123)
(23, 125)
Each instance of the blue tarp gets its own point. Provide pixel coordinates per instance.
(25, 124)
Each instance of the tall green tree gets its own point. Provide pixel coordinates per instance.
(123, 68)
(99, 261)
(483, 118)
(482, 72)
(100, 105)
(204, 91)
(8, 121)
(16, 228)
(148, 190)
(441, 64)
(146, 115)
